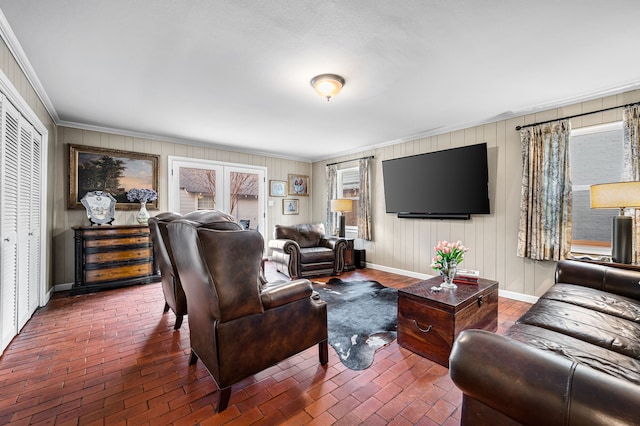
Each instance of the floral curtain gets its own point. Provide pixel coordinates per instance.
(364, 201)
(331, 173)
(545, 199)
(631, 166)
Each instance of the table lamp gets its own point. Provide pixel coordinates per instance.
(341, 205)
(619, 195)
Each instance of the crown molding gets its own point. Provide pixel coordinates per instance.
(190, 142)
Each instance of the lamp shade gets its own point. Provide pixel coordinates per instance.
(617, 195)
(341, 205)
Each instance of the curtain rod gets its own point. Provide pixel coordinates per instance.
(346, 161)
(577, 115)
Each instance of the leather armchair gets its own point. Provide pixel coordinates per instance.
(174, 296)
(238, 327)
(304, 251)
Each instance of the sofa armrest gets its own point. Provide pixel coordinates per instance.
(281, 294)
(533, 386)
(286, 246)
(332, 242)
(624, 282)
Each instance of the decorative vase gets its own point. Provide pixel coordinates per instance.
(143, 215)
(448, 271)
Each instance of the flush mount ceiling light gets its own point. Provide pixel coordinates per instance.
(327, 85)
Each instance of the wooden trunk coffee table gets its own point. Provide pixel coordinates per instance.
(429, 321)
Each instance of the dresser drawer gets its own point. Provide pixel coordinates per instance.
(118, 272)
(114, 242)
(115, 232)
(118, 256)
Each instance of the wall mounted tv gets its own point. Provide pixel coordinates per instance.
(448, 184)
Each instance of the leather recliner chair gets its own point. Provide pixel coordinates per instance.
(174, 296)
(305, 251)
(238, 327)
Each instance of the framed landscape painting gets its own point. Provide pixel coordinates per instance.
(111, 171)
(298, 185)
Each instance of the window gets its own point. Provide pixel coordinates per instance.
(349, 187)
(596, 156)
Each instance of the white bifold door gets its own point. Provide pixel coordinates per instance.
(20, 220)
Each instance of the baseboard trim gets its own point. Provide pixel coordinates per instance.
(62, 287)
(503, 293)
(517, 296)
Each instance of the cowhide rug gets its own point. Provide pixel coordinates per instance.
(362, 317)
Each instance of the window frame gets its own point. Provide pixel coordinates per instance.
(340, 183)
(593, 248)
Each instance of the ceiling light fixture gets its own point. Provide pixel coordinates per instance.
(327, 85)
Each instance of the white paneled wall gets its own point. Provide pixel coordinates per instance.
(406, 245)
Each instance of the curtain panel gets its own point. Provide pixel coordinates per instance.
(364, 202)
(631, 166)
(545, 199)
(331, 173)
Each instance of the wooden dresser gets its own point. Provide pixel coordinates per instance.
(112, 256)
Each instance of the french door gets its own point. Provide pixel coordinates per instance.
(236, 189)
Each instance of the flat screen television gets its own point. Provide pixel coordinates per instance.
(448, 184)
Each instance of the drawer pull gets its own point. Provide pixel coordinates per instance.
(480, 301)
(428, 329)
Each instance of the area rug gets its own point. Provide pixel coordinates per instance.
(362, 317)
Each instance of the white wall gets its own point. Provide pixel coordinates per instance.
(407, 244)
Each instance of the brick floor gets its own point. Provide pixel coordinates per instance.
(113, 358)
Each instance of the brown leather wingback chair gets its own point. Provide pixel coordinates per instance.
(305, 251)
(238, 327)
(174, 296)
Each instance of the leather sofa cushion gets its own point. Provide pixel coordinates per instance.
(306, 235)
(316, 255)
(577, 350)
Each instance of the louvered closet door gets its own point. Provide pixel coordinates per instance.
(34, 223)
(9, 150)
(27, 247)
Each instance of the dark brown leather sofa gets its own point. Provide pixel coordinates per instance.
(572, 359)
(305, 251)
(174, 296)
(237, 326)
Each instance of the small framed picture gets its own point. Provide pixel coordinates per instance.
(298, 185)
(290, 206)
(277, 188)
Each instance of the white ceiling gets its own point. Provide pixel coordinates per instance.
(236, 73)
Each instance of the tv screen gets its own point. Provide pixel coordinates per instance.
(452, 183)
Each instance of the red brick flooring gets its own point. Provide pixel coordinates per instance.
(113, 358)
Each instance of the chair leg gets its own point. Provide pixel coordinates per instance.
(166, 307)
(223, 401)
(323, 350)
(193, 358)
(178, 323)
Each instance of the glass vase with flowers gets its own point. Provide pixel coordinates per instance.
(448, 256)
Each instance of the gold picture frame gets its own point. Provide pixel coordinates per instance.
(298, 185)
(290, 206)
(277, 188)
(125, 170)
